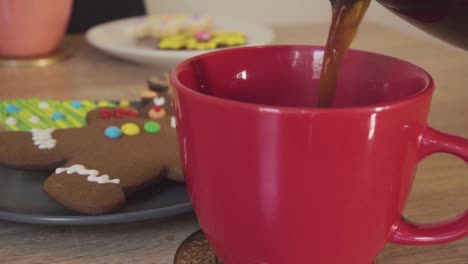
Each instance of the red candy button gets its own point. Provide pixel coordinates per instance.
(105, 114)
(119, 113)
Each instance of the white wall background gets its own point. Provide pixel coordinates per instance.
(271, 11)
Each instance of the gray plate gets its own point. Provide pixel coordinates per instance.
(22, 199)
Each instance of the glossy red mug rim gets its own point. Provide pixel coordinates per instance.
(182, 88)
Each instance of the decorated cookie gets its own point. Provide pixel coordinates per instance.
(27, 114)
(96, 167)
(160, 26)
(202, 40)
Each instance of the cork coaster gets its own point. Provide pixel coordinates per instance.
(196, 250)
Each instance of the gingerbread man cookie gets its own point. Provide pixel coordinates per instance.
(95, 168)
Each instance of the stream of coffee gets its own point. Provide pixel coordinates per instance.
(346, 18)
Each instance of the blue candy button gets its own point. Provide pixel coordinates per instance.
(76, 104)
(11, 109)
(58, 116)
(113, 132)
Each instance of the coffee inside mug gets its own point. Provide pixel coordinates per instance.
(289, 76)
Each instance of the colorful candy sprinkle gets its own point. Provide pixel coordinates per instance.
(157, 113)
(105, 113)
(11, 121)
(11, 109)
(152, 127)
(148, 94)
(159, 101)
(103, 103)
(203, 36)
(119, 112)
(130, 129)
(124, 103)
(113, 132)
(147, 97)
(173, 122)
(43, 105)
(58, 116)
(34, 120)
(76, 104)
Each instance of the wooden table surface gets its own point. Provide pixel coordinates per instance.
(440, 190)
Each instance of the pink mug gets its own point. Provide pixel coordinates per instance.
(275, 180)
(30, 28)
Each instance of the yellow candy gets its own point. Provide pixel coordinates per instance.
(130, 129)
(171, 44)
(180, 17)
(189, 41)
(124, 103)
(103, 103)
(175, 41)
(166, 18)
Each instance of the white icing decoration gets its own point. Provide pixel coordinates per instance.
(34, 119)
(159, 101)
(43, 105)
(93, 175)
(173, 122)
(43, 138)
(11, 121)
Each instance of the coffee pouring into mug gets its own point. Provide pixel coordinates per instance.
(282, 170)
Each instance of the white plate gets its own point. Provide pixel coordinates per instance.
(111, 38)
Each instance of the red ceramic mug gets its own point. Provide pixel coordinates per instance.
(275, 180)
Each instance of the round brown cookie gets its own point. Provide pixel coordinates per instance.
(158, 84)
(95, 167)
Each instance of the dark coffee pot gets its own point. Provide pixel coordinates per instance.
(444, 19)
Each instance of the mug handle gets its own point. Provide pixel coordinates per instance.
(407, 232)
